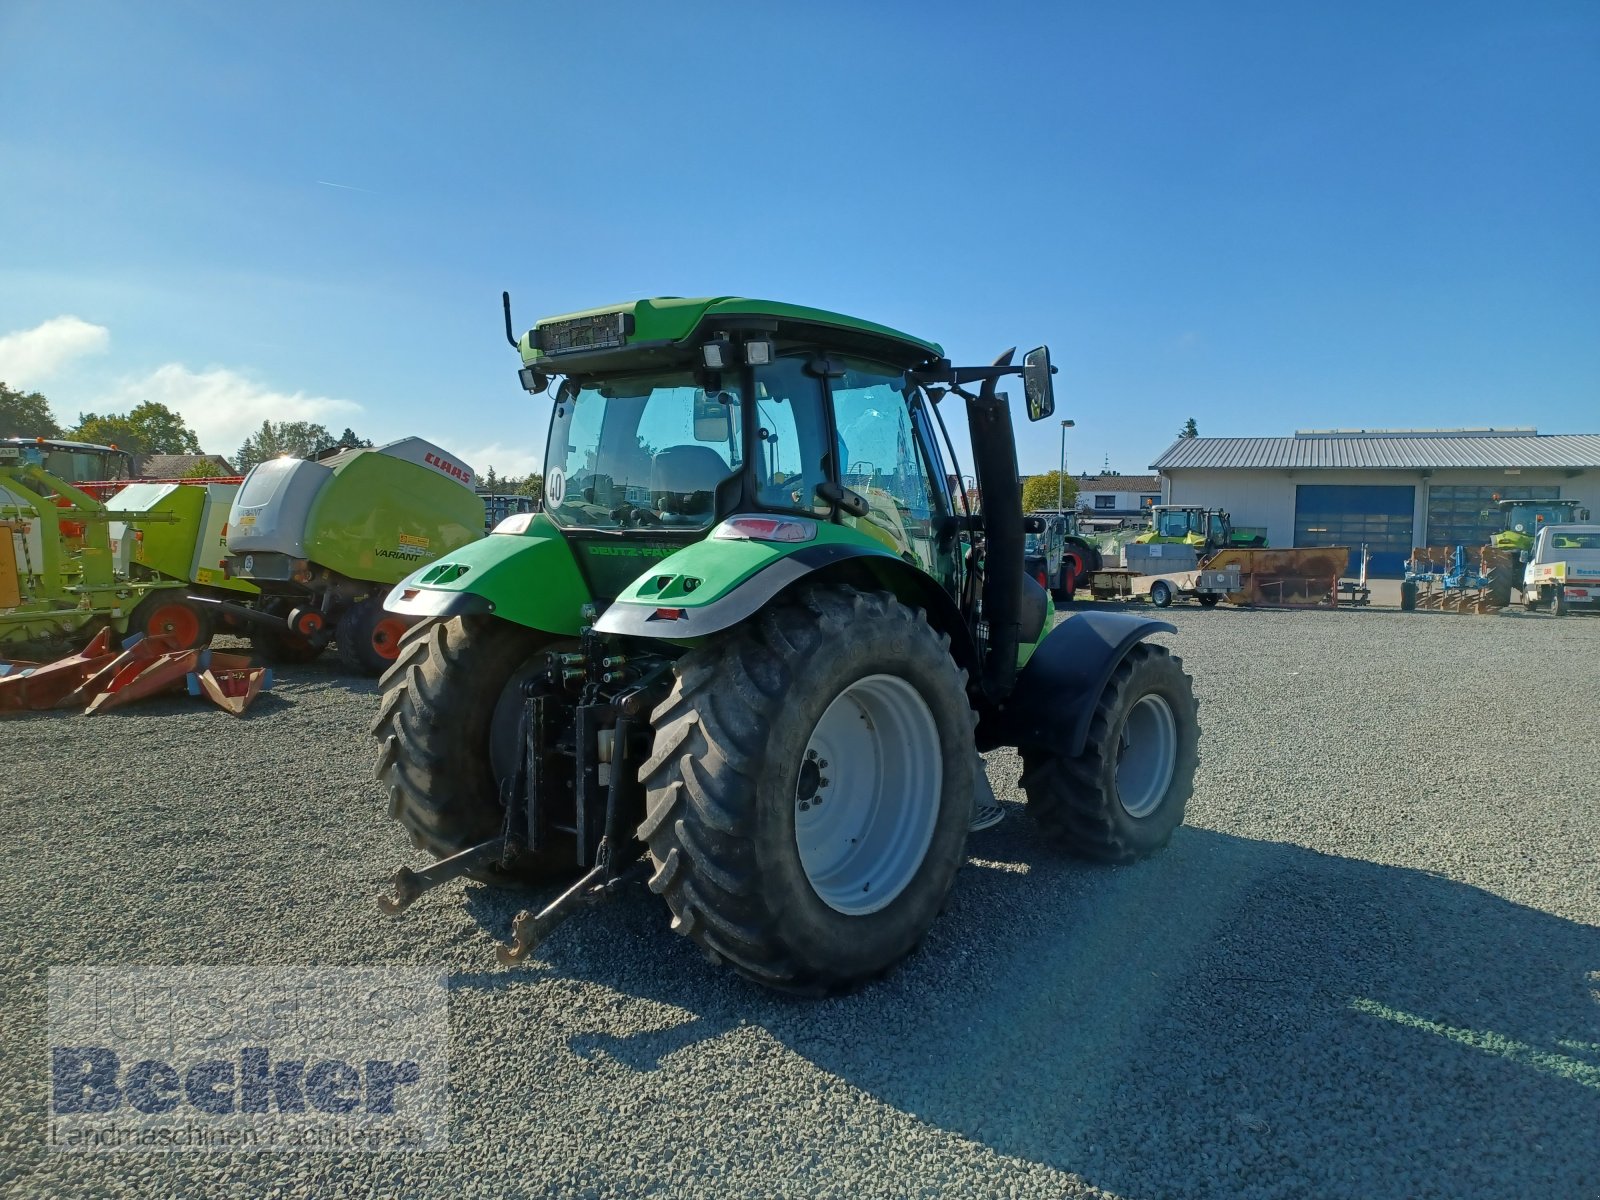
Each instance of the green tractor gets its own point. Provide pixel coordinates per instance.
(752, 649)
(1506, 557)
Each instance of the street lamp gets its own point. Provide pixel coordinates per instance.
(1061, 476)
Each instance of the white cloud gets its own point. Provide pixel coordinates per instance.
(222, 406)
(506, 460)
(30, 355)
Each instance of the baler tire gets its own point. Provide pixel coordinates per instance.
(438, 703)
(1076, 801)
(277, 645)
(368, 639)
(188, 628)
(725, 779)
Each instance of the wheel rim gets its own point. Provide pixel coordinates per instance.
(1147, 756)
(867, 796)
(1161, 594)
(177, 622)
(386, 635)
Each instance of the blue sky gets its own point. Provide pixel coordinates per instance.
(1267, 216)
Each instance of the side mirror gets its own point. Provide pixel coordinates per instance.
(1036, 383)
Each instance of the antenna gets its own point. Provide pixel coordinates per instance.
(505, 303)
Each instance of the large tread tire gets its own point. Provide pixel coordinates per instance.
(1075, 800)
(721, 788)
(438, 704)
(367, 638)
(1408, 596)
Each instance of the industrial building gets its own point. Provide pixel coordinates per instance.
(1391, 490)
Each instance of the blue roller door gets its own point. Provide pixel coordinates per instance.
(1352, 514)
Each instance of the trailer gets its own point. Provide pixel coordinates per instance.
(1209, 587)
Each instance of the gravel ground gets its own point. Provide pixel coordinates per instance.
(1369, 966)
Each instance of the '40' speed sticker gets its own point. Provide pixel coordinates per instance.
(555, 486)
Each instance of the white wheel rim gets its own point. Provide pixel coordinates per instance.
(867, 798)
(1147, 755)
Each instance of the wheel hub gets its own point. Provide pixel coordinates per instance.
(1147, 755)
(863, 825)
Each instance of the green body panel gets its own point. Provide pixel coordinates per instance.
(379, 516)
(705, 572)
(530, 578)
(673, 318)
(180, 531)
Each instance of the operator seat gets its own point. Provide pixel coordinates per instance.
(683, 483)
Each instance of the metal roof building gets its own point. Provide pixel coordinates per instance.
(1388, 489)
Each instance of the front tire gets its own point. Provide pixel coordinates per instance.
(1558, 602)
(1121, 799)
(450, 701)
(810, 790)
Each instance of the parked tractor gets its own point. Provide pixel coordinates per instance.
(1509, 552)
(1206, 529)
(324, 539)
(752, 649)
(1056, 554)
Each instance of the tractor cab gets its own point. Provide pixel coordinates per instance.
(1525, 518)
(1203, 528)
(80, 462)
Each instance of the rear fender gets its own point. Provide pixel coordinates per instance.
(1061, 685)
(528, 578)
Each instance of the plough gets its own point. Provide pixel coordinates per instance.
(1444, 579)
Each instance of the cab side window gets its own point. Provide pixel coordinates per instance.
(791, 436)
(880, 459)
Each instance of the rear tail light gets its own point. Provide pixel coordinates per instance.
(766, 529)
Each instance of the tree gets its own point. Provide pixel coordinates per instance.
(1189, 430)
(533, 486)
(491, 482)
(349, 438)
(204, 469)
(26, 414)
(1039, 493)
(298, 439)
(148, 428)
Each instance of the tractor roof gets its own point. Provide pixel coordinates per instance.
(598, 338)
(59, 444)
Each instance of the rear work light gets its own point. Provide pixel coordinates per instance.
(766, 529)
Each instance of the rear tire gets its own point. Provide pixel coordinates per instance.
(1408, 596)
(1558, 602)
(1121, 799)
(1209, 601)
(781, 893)
(367, 638)
(1161, 594)
(441, 699)
(165, 613)
(1499, 584)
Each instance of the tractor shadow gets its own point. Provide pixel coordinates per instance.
(1321, 1025)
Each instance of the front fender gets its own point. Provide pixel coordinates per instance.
(1057, 691)
(715, 584)
(528, 578)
